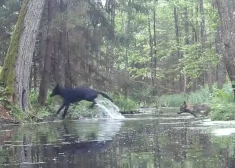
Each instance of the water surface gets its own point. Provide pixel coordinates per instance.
(139, 141)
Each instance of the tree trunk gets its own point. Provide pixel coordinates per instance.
(68, 74)
(49, 49)
(203, 42)
(186, 29)
(226, 12)
(220, 69)
(177, 36)
(58, 63)
(35, 75)
(64, 45)
(17, 64)
(154, 58)
(42, 38)
(127, 29)
(151, 48)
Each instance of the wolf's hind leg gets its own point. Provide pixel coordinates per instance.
(65, 111)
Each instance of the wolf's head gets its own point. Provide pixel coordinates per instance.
(184, 108)
(55, 91)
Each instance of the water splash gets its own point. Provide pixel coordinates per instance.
(107, 109)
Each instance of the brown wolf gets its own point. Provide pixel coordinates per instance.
(195, 110)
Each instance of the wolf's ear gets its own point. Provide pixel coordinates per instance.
(184, 103)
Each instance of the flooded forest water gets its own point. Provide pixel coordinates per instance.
(139, 141)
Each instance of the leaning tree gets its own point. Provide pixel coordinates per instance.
(15, 73)
(227, 12)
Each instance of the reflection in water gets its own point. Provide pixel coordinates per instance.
(112, 143)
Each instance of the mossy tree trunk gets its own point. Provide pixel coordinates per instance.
(17, 64)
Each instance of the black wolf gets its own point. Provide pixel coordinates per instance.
(201, 109)
(75, 95)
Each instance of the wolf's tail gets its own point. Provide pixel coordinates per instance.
(104, 95)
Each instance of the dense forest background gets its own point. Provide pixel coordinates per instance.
(141, 49)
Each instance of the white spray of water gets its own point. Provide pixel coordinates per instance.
(108, 109)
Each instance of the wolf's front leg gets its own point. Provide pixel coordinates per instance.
(61, 107)
(58, 111)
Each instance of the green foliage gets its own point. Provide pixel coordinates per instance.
(220, 100)
(17, 114)
(175, 100)
(125, 104)
(38, 111)
(222, 104)
(135, 25)
(143, 94)
(194, 64)
(202, 95)
(223, 111)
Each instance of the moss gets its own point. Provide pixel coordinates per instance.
(7, 75)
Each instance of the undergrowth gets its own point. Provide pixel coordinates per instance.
(13, 110)
(200, 96)
(125, 104)
(220, 100)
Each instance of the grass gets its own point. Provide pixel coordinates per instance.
(172, 100)
(125, 104)
(221, 101)
(176, 100)
(222, 104)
